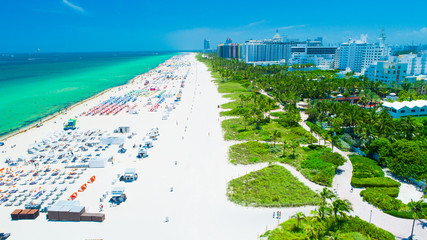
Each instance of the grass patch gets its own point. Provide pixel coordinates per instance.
(253, 152)
(231, 87)
(235, 130)
(273, 186)
(321, 164)
(277, 114)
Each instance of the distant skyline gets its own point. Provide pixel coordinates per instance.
(132, 25)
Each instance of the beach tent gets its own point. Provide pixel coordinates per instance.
(97, 162)
(133, 111)
(112, 140)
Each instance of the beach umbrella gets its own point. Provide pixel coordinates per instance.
(73, 196)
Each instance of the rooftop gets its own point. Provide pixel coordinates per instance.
(409, 104)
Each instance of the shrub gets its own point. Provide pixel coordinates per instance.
(390, 191)
(401, 214)
(334, 158)
(374, 182)
(382, 201)
(365, 168)
(407, 213)
(347, 138)
(355, 224)
(408, 159)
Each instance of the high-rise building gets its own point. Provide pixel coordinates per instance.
(206, 45)
(269, 50)
(321, 56)
(387, 72)
(417, 63)
(359, 54)
(230, 50)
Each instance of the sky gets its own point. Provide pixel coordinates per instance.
(141, 25)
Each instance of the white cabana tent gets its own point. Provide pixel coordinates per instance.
(97, 162)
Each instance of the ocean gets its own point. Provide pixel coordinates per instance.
(33, 86)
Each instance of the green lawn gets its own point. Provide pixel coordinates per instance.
(273, 186)
(231, 87)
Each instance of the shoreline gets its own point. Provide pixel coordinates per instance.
(51, 116)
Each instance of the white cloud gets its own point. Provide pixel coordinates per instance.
(255, 23)
(423, 30)
(73, 6)
(290, 27)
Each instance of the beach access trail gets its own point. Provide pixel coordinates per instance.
(197, 208)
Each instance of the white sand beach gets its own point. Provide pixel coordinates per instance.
(192, 137)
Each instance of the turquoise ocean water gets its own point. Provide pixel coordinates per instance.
(33, 86)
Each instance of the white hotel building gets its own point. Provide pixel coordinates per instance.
(417, 63)
(387, 72)
(359, 54)
(416, 108)
(268, 51)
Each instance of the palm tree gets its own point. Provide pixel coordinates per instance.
(284, 147)
(416, 209)
(326, 194)
(246, 117)
(299, 216)
(334, 235)
(408, 126)
(276, 134)
(341, 207)
(294, 145)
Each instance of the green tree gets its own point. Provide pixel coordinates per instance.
(299, 216)
(341, 207)
(276, 134)
(417, 210)
(294, 145)
(326, 194)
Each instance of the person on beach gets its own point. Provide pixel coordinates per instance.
(274, 214)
